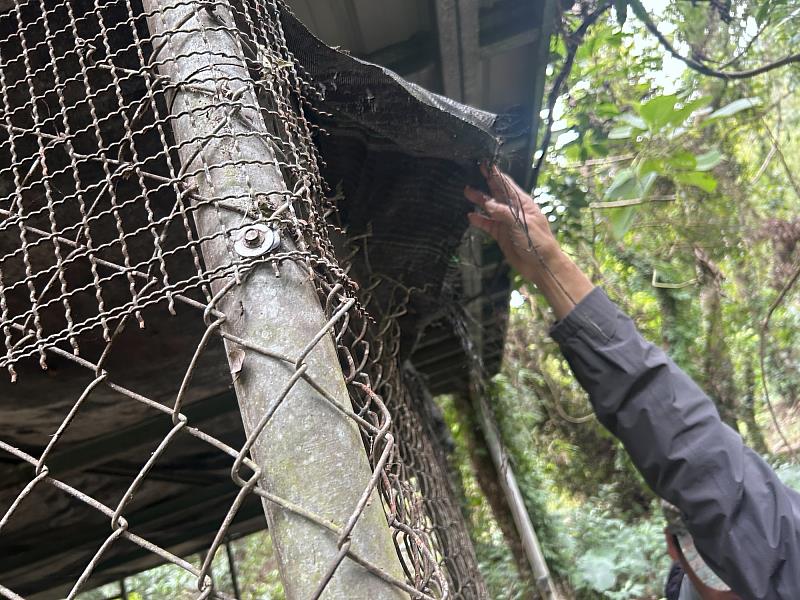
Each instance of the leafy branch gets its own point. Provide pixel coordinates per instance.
(698, 66)
(573, 41)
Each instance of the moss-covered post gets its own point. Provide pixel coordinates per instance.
(309, 453)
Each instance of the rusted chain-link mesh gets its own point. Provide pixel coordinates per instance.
(98, 243)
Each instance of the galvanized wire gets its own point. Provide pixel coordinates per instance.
(97, 235)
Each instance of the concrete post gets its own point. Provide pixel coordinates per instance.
(309, 453)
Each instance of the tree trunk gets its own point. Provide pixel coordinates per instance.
(489, 481)
(748, 412)
(717, 365)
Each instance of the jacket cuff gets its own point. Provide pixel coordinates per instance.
(595, 315)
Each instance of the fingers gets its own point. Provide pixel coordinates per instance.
(502, 186)
(498, 184)
(477, 197)
(497, 211)
(484, 224)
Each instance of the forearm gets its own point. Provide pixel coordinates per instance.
(559, 279)
(744, 521)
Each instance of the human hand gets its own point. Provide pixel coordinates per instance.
(514, 220)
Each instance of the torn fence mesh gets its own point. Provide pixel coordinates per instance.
(104, 282)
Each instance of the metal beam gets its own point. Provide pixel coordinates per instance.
(502, 28)
(472, 282)
(307, 451)
(547, 19)
(449, 47)
(107, 447)
(72, 540)
(459, 48)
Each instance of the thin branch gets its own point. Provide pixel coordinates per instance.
(762, 356)
(778, 301)
(573, 42)
(601, 162)
(702, 68)
(789, 173)
(762, 169)
(671, 286)
(631, 202)
(746, 49)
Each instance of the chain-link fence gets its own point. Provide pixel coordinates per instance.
(159, 159)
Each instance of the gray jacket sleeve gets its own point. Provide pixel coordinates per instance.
(744, 521)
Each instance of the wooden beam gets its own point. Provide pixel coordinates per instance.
(190, 540)
(210, 501)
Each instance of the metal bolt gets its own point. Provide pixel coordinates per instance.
(253, 238)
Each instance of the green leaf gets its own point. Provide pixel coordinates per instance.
(573, 153)
(617, 189)
(627, 186)
(685, 111)
(763, 12)
(734, 107)
(598, 570)
(633, 120)
(658, 111)
(704, 181)
(622, 132)
(594, 147)
(709, 160)
(646, 181)
(650, 165)
(621, 8)
(683, 161)
(615, 39)
(621, 220)
(606, 110)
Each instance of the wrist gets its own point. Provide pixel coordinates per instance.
(545, 259)
(561, 282)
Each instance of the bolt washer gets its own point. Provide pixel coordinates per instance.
(270, 240)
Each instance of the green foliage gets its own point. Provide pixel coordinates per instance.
(617, 558)
(734, 107)
(256, 567)
(679, 195)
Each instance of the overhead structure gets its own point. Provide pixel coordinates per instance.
(162, 209)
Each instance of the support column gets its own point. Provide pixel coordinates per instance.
(457, 23)
(472, 263)
(309, 453)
